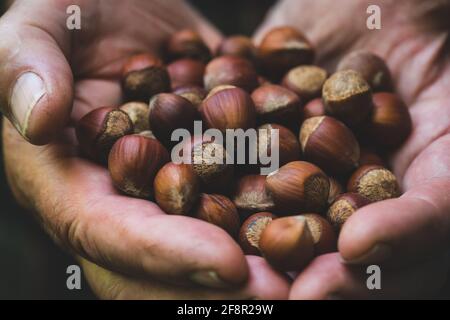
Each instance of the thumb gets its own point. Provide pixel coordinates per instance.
(36, 82)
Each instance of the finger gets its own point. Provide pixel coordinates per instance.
(263, 283)
(412, 227)
(327, 278)
(35, 77)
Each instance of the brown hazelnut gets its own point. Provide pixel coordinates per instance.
(237, 45)
(373, 69)
(328, 143)
(98, 130)
(169, 112)
(306, 81)
(368, 156)
(314, 108)
(144, 76)
(186, 72)
(177, 188)
(252, 196)
(276, 104)
(336, 190)
(390, 122)
(194, 94)
(287, 244)
(348, 97)
(282, 49)
(218, 210)
(133, 163)
(299, 187)
(230, 108)
(251, 230)
(374, 182)
(343, 207)
(188, 44)
(324, 237)
(231, 70)
(138, 113)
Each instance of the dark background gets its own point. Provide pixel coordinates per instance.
(31, 266)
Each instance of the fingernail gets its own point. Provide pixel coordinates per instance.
(378, 253)
(209, 279)
(28, 90)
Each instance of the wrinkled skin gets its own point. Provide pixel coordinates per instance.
(131, 243)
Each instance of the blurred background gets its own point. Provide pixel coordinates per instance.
(31, 266)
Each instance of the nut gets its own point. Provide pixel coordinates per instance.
(194, 94)
(251, 230)
(133, 163)
(252, 196)
(343, 207)
(348, 97)
(314, 108)
(288, 146)
(276, 104)
(374, 182)
(299, 187)
(188, 44)
(329, 144)
(238, 45)
(306, 81)
(324, 237)
(370, 157)
(231, 70)
(138, 113)
(220, 211)
(336, 189)
(287, 243)
(144, 76)
(176, 188)
(169, 112)
(390, 123)
(282, 49)
(98, 130)
(373, 69)
(230, 108)
(186, 72)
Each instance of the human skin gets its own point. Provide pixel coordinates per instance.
(128, 247)
(408, 237)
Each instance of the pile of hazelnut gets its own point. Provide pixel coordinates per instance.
(334, 134)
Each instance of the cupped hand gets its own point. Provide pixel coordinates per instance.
(408, 237)
(50, 76)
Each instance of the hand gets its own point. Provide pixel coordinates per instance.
(60, 70)
(409, 236)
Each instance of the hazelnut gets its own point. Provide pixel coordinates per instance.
(348, 97)
(169, 112)
(336, 190)
(324, 237)
(238, 45)
(368, 156)
(343, 207)
(299, 187)
(218, 210)
(390, 123)
(230, 108)
(276, 104)
(251, 195)
(374, 182)
(186, 72)
(98, 130)
(194, 94)
(251, 230)
(282, 49)
(373, 69)
(329, 144)
(133, 163)
(288, 145)
(314, 108)
(176, 188)
(188, 44)
(231, 70)
(287, 243)
(143, 77)
(138, 113)
(306, 81)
